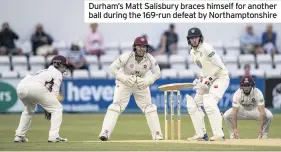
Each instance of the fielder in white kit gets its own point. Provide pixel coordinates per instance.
(42, 88)
(248, 104)
(210, 87)
(130, 71)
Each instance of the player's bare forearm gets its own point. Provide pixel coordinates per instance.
(262, 115)
(234, 117)
(261, 120)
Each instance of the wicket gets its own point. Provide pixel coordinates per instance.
(172, 114)
(173, 87)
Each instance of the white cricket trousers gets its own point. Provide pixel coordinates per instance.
(123, 93)
(31, 95)
(252, 114)
(121, 99)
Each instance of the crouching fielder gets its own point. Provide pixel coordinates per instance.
(210, 87)
(42, 88)
(130, 70)
(248, 104)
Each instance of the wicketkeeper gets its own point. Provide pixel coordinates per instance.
(130, 71)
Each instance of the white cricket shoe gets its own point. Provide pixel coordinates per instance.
(158, 137)
(20, 139)
(217, 138)
(199, 138)
(58, 139)
(262, 137)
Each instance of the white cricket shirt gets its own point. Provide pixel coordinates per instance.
(127, 64)
(249, 102)
(207, 59)
(51, 78)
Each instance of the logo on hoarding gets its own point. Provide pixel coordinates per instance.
(89, 93)
(96, 95)
(8, 96)
(61, 93)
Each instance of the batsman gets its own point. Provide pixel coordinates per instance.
(130, 71)
(210, 87)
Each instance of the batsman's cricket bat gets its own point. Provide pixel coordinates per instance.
(175, 86)
(178, 86)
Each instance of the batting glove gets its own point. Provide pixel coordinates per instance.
(205, 82)
(210, 79)
(199, 84)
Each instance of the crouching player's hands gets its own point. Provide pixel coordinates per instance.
(260, 133)
(236, 134)
(144, 82)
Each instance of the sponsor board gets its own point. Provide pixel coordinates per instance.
(89, 95)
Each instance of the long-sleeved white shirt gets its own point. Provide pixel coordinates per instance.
(127, 64)
(50, 78)
(209, 62)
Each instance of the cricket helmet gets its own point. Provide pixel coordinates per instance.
(60, 63)
(194, 32)
(247, 83)
(140, 41)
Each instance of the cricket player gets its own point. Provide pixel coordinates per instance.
(210, 87)
(248, 104)
(130, 71)
(42, 88)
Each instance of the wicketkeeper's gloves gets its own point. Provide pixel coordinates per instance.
(144, 82)
(128, 80)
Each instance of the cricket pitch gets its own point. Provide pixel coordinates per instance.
(242, 142)
(131, 134)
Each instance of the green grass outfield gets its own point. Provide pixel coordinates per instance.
(82, 130)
